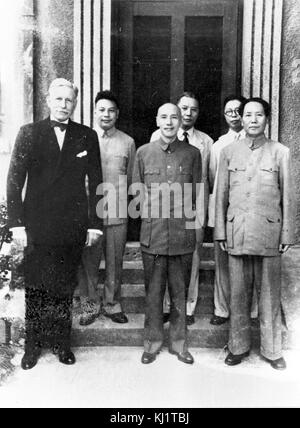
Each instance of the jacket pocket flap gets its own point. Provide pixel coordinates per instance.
(230, 216)
(236, 167)
(273, 219)
(152, 171)
(269, 168)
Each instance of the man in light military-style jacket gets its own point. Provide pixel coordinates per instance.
(254, 222)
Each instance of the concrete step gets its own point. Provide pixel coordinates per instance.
(133, 272)
(133, 298)
(103, 332)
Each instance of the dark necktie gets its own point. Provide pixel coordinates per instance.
(252, 146)
(60, 125)
(186, 137)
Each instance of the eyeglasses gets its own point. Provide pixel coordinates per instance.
(230, 113)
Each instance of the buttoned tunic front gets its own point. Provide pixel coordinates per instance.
(117, 158)
(254, 203)
(158, 163)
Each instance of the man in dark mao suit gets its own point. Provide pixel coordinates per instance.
(56, 219)
(167, 232)
(254, 222)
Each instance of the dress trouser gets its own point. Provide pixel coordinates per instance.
(193, 289)
(265, 273)
(114, 242)
(50, 281)
(221, 285)
(159, 270)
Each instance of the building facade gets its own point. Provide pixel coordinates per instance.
(149, 51)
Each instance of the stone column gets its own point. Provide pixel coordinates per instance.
(92, 53)
(261, 55)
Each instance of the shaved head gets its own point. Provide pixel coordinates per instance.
(169, 107)
(168, 119)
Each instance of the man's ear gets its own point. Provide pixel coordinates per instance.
(117, 113)
(157, 122)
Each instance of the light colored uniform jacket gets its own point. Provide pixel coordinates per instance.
(255, 209)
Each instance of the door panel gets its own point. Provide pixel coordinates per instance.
(161, 48)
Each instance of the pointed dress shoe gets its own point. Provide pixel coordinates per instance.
(30, 359)
(216, 320)
(119, 317)
(148, 357)
(233, 360)
(278, 364)
(66, 356)
(184, 356)
(87, 319)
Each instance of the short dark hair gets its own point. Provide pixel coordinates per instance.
(233, 97)
(188, 94)
(107, 95)
(265, 104)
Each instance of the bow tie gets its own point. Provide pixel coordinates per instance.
(60, 125)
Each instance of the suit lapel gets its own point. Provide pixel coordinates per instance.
(73, 144)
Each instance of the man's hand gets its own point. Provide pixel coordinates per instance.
(283, 248)
(19, 236)
(93, 237)
(223, 245)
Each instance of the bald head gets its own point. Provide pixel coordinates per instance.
(168, 119)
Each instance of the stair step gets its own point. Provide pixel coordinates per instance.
(133, 272)
(133, 298)
(103, 332)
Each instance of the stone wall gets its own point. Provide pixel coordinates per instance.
(53, 48)
(290, 91)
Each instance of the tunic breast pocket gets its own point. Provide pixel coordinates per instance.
(152, 175)
(185, 174)
(118, 163)
(269, 175)
(236, 174)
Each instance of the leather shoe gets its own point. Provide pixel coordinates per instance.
(166, 317)
(66, 356)
(30, 360)
(233, 360)
(190, 320)
(148, 357)
(278, 364)
(87, 319)
(183, 356)
(216, 320)
(119, 317)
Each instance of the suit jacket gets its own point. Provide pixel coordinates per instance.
(56, 210)
(161, 231)
(255, 209)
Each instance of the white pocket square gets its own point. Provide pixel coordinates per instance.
(80, 155)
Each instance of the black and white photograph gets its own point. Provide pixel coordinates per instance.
(149, 206)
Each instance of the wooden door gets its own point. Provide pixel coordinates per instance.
(161, 48)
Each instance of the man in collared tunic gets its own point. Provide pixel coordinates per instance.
(255, 223)
(232, 105)
(167, 239)
(189, 106)
(117, 158)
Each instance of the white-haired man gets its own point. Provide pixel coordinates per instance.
(56, 219)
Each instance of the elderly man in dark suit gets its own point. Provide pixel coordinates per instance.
(55, 219)
(167, 241)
